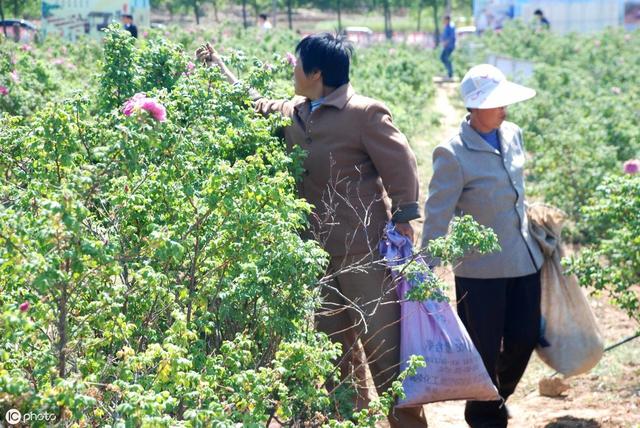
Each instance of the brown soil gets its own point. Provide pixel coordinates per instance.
(450, 116)
(607, 396)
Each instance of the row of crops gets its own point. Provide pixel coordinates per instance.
(583, 138)
(33, 75)
(151, 268)
(584, 121)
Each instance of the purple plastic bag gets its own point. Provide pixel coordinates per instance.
(432, 329)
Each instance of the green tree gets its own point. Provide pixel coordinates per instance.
(436, 20)
(4, 28)
(290, 5)
(19, 9)
(386, 8)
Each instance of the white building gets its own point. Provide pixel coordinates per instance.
(564, 15)
(73, 18)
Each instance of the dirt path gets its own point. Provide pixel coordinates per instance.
(608, 396)
(450, 113)
(449, 116)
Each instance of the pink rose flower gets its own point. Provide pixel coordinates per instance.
(597, 43)
(24, 307)
(616, 90)
(140, 102)
(4, 91)
(57, 61)
(190, 67)
(25, 47)
(15, 76)
(291, 59)
(627, 37)
(145, 34)
(632, 166)
(132, 104)
(157, 110)
(268, 67)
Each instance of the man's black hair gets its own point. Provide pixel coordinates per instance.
(447, 17)
(538, 12)
(264, 16)
(126, 15)
(328, 54)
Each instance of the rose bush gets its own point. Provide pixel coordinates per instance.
(612, 264)
(151, 267)
(583, 122)
(581, 132)
(31, 75)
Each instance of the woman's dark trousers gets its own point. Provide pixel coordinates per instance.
(502, 317)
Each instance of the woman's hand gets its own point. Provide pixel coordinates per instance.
(203, 56)
(405, 229)
(208, 56)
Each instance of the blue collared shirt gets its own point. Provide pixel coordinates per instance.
(449, 36)
(492, 138)
(316, 103)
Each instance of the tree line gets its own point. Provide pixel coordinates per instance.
(252, 8)
(30, 9)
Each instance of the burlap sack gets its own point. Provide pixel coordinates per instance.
(574, 342)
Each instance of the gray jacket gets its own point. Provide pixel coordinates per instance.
(471, 177)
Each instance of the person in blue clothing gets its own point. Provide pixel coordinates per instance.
(448, 45)
(127, 20)
(543, 22)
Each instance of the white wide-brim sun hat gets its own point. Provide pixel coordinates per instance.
(485, 86)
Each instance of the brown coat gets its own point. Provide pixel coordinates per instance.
(359, 168)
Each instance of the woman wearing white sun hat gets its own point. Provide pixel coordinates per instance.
(480, 172)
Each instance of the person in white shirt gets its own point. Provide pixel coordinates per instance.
(264, 23)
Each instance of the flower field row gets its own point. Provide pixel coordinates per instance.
(152, 271)
(31, 75)
(583, 122)
(582, 133)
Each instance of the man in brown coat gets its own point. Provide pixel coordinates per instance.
(359, 173)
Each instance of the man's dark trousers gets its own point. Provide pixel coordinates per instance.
(502, 317)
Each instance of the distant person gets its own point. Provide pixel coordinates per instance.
(127, 20)
(448, 45)
(16, 32)
(543, 22)
(482, 22)
(264, 23)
